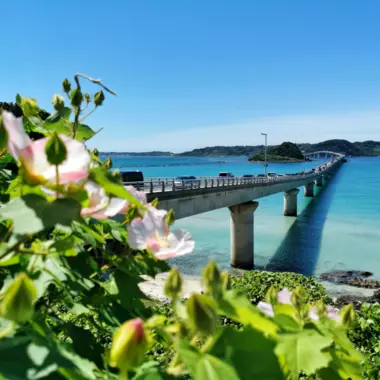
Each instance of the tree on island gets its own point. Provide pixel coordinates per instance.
(286, 152)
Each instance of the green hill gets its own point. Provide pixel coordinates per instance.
(286, 152)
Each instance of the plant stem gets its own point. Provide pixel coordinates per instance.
(57, 180)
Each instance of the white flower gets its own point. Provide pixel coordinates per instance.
(266, 308)
(32, 156)
(284, 296)
(151, 232)
(101, 206)
(331, 313)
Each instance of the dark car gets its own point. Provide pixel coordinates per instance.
(248, 176)
(131, 177)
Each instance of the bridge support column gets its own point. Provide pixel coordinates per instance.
(290, 202)
(242, 241)
(319, 181)
(309, 189)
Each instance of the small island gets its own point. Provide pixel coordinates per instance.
(286, 152)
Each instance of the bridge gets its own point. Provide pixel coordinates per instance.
(321, 154)
(239, 194)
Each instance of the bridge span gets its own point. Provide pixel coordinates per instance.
(239, 194)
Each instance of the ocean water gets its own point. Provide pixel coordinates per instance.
(339, 229)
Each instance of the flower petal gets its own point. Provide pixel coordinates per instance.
(18, 140)
(332, 313)
(266, 308)
(284, 296)
(313, 314)
(180, 243)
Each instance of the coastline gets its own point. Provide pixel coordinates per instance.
(154, 288)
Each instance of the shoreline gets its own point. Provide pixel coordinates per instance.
(154, 288)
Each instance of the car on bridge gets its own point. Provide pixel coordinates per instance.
(135, 179)
(186, 182)
(226, 175)
(248, 176)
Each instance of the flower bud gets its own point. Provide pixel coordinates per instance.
(99, 98)
(321, 308)
(226, 280)
(271, 296)
(173, 284)
(129, 344)
(87, 97)
(169, 217)
(211, 278)
(29, 107)
(298, 298)
(347, 315)
(107, 164)
(18, 99)
(18, 300)
(55, 150)
(66, 85)
(58, 102)
(76, 97)
(95, 152)
(202, 314)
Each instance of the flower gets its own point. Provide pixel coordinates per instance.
(152, 232)
(31, 155)
(129, 344)
(284, 296)
(101, 206)
(266, 308)
(331, 313)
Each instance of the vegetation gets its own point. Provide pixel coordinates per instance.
(70, 302)
(366, 148)
(286, 152)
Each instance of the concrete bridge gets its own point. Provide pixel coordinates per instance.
(239, 194)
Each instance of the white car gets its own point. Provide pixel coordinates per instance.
(186, 182)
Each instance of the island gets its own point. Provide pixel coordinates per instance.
(286, 152)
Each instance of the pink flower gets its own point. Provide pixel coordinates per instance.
(101, 206)
(284, 296)
(151, 232)
(266, 308)
(331, 313)
(31, 154)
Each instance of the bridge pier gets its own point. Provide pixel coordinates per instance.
(309, 189)
(290, 202)
(319, 181)
(242, 236)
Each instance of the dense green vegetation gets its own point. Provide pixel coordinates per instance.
(286, 152)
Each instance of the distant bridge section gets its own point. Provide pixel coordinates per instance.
(203, 194)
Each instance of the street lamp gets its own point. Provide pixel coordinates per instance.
(265, 155)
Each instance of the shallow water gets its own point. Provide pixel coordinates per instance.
(338, 229)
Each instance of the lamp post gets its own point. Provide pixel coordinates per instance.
(265, 155)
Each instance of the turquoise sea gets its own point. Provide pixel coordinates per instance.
(339, 229)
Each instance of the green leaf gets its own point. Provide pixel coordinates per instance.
(84, 132)
(148, 371)
(303, 351)
(248, 346)
(204, 366)
(238, 308)
(32, 213)
(347, 366)
(105, 179)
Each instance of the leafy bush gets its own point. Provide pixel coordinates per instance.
(365, 334)
(255, 284)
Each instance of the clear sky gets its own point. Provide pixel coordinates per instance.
(191, 73)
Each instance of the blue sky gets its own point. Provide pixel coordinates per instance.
(191, 73)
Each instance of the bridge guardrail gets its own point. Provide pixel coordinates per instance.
(160, 185)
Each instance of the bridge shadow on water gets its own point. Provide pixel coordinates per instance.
(299, 251)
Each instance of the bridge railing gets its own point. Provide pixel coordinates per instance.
(159, 185)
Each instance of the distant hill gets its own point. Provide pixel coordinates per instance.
(366, 148)
(286, 152)
(153, 153)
